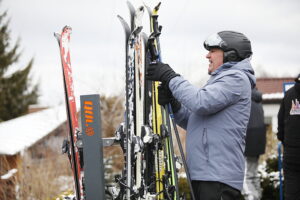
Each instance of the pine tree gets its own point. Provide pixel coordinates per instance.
(16, 93)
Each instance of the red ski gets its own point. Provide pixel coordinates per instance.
(71, 146)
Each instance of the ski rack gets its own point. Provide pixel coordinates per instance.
(87, 147)
(92, 147)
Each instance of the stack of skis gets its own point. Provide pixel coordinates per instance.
(150, 165)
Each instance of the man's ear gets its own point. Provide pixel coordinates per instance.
(230, 56)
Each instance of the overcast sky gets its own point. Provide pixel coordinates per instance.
(97, 41)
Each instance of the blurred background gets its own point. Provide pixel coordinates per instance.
(32, 125)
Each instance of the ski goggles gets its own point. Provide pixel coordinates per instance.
(214, 41)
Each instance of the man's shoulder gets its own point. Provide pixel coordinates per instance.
(290, 93)
(231, 74)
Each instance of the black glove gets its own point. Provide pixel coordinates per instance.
(160, 72)
(165, 97)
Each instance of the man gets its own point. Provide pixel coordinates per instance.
(215, 116)
(289, 135)
(255, 146)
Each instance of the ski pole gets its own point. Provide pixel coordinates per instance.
(170, 113)
(280, 171)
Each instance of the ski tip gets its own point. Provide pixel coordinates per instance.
(139, 15)
(67, 29)
(130, 6)
(125, 25)
(120, 17)
(122, 20)
(154, 11)
(156, 8)
(148, 9)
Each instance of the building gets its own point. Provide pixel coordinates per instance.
(34, 135)
(273, 92)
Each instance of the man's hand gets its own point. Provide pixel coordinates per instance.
(160, 72)
(165, 97)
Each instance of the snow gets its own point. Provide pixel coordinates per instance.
(22, 132)
(9, 174)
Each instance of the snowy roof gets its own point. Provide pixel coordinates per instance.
(273, 96)
(22, 132)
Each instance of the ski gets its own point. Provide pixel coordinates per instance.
(145, 158)
(70, 145)
(121, 180)
(134, 99)
(162, 167)
(139, 63)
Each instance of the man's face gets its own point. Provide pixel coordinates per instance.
(215, 58)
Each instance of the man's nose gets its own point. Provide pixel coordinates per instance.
(208, 55)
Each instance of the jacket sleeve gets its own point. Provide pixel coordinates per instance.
(224, 91)
(280, 117)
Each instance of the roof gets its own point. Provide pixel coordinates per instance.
(272, 88)
(272, 85)
(22, 132)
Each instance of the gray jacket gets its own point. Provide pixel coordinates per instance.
(215, 118)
